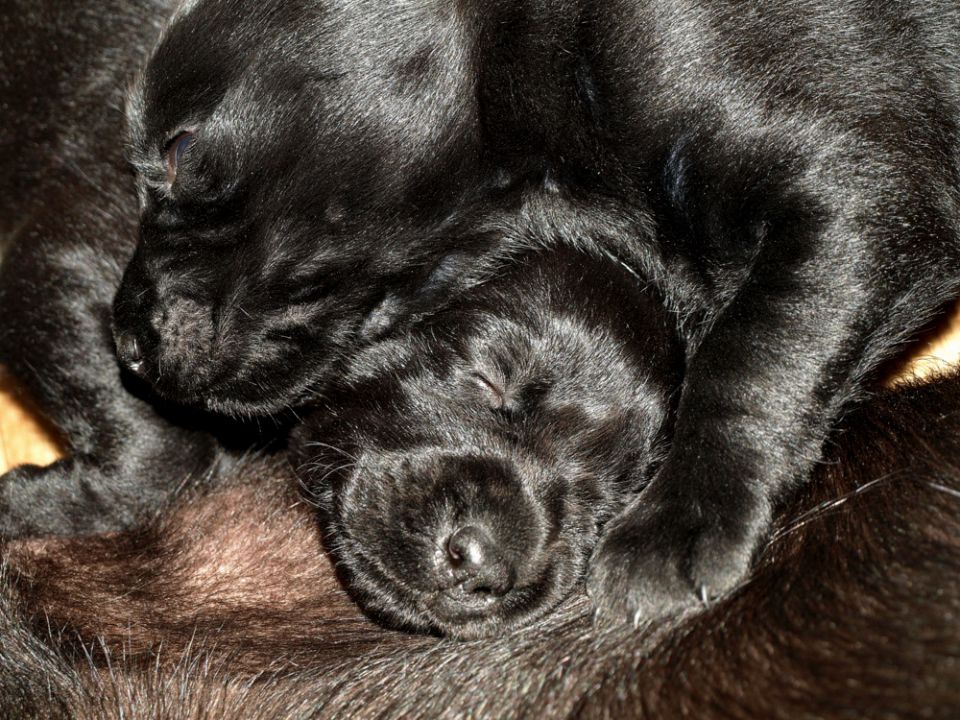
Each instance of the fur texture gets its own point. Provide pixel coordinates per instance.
(68, 227)
(785, 174)
(226, 607)
(850, 612)
(464, 465)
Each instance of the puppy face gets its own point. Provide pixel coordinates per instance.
(466, 466)
(282, 151)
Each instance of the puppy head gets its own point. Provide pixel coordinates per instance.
(284, 152)
(465, 468)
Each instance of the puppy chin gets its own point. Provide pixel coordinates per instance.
(399, 604)
(445, 618)
(437, 614)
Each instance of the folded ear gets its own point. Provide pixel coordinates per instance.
(450, 276)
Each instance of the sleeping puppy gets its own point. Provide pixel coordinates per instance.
(785, 173)
(463, 466)
(224, 608)
(303, 166)
(568, 442)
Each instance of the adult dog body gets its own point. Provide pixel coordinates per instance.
(225, 609)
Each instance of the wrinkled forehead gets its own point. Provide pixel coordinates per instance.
(509, 345)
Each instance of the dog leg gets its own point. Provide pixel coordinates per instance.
(831, 294)
(56, 288)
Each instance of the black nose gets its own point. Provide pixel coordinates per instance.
(479, 568)
(129, 352)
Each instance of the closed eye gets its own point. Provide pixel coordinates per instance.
(175, 151)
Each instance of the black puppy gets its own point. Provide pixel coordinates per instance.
(785, 173)
(226, 609)
(568, 442)
(465, 465)
(765, 170)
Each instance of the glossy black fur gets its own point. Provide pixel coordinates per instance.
(67, 229)
(785, 173)
(225, 609)
(850, 610)
(512, 424)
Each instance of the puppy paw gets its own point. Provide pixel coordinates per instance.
(661, 559)
(18, 488)
(68, 497)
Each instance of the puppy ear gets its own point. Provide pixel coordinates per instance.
(450, 276)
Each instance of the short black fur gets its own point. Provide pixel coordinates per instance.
(465, 464)
(67, 229)
(784, 173)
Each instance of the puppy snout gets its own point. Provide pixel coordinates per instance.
(186, 332)
(171, 347)
(476, 564)
(129, 352)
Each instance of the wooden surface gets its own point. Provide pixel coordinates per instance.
(23, 436)
(25, 439)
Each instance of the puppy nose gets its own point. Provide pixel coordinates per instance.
(129, 352)
(479, 567)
